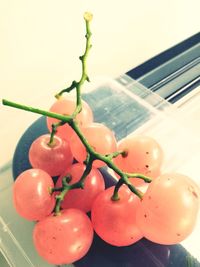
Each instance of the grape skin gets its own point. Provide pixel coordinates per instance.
(82, 198)
(64, 238)
(100, 137)
(53, 159)
(143, 155)
(31, 194)
(66, 106)
(114, 221)
(168, 212)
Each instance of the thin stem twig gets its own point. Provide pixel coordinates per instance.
(90, 150)
(91, 153)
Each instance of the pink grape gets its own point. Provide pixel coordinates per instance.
(54, 159)
(66, 106)
(82, 198)
(143, 155)
(100, 137)
(31, 194)
(115, 221)
(65, 238)
(168, 212)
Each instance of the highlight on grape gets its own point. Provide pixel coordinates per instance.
(74, 149)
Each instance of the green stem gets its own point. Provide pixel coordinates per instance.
(87, 159)
(66, 187)
(124, 178)
(54, 115)
(91, 153)
(140, 176)
(59, 199)
(64, 119)
(53, 132)
(66, 90)
(115, 195)
(84, 141)
(86, 171)
(56, 189)
(114, 154)
(84, 75)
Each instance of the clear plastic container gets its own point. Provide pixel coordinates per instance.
(126, 107)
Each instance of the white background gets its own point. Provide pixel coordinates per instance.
(40, 42)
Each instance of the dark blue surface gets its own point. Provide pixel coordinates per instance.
(155, 62)
(142, 254)
(20, 158)
(175, 64)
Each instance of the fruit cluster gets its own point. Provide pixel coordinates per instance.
(144, 202)
(166, 214)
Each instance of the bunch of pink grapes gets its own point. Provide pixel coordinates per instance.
(168, 201)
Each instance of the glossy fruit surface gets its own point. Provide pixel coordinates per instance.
(31, 194)
(114, 221)
(54, 159)
(65, 238)
(82, 198)
(168, 211)
(100, 137)
(143, 155)
(66, 106)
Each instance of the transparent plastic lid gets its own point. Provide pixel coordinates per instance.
(126, 107)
